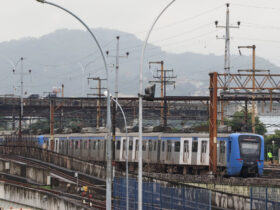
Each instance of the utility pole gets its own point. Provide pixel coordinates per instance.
(52, 124)
(115, 107)
(226, 37)
(98, 94)
(164, 80)
(21, 95)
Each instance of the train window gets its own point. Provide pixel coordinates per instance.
(118, 145)
(194, 146)
(177, 147)
(155, 145)
(94, 145)
(76, 144)
(144, 146)
(203, 146)
(85, 144)
(89, 144)
(130, 145)
(150, 145)
(162, 147)
(60, 145)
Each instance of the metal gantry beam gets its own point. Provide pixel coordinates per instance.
(263, 85)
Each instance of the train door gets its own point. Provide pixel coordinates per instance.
(130, 149)
(222, 152)
(169, 151)
(186, 151)
(150, 150)
(98, 150)
(66, 146)
(117, 149)
(124, 149)
(103, 158)
(56, 146)
(203, 154)
(194, 152)
(136, 149)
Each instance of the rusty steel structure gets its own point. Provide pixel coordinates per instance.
(243, 87)
(213, 122)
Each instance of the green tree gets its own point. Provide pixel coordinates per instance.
(238, 123)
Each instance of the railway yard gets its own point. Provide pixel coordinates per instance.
(114, 119)
(65, 185)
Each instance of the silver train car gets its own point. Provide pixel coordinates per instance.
(184, 153)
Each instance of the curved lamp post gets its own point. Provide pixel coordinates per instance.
(140, 162)
(108, 145)
(127, 147)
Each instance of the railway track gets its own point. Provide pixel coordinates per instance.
(98, 202)
(75, 199)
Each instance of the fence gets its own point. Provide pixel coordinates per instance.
(156, 196)
(265, 198)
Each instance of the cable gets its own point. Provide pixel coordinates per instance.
(183, 20)
(256, 7)
(70, 63)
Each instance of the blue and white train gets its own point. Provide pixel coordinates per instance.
(238, 154)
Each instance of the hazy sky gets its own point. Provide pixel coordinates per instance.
(186, 26)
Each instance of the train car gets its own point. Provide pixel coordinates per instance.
(237, 153)
(245, 155)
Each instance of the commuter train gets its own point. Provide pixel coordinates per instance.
(238, 154)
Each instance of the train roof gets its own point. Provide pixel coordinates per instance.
(135, 134)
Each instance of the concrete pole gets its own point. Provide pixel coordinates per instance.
(117, 69)
(227, 49)
(161, 94)
(52, 124)
(254, 86)
(140, 161)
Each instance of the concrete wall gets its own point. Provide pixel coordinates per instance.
(57, 159)
(35, 198)
(33, 173)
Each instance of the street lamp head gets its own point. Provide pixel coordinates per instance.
(107, 52)
(106, 94)
(216, 23)
(41, 1)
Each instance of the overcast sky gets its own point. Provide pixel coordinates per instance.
(186, 26)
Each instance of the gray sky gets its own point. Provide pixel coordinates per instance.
(186, 26)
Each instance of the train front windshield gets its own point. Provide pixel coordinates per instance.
(249, 147)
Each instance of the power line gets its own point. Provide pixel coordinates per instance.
(72, 62)
(256, 7)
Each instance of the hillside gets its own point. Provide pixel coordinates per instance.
(56, 59)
